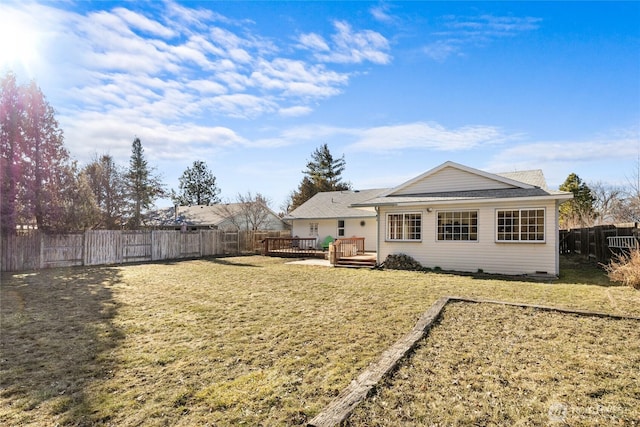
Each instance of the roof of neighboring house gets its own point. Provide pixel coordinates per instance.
(336, 204)
(198, 215)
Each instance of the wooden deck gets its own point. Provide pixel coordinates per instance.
(347, 252)
(294, 247)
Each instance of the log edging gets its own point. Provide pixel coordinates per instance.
(343, 405)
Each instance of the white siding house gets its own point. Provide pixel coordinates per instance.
(331, 214)
(463, 219)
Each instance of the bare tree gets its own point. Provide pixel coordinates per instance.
(250, 212)
(607, 202)
(631, 207)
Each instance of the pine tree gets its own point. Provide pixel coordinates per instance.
(106, 180)
(579, 211)
(197, 186)
(11, 116)
(143, 185)
(323, 173)
(34, 161)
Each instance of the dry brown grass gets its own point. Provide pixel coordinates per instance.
(488, 364)
(625, 268)
(232, 341)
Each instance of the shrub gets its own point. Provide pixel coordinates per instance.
(625, 268)
(401, 262)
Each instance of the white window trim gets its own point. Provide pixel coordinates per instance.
(387, 234)
(439, 211)
(520, 241)
(343, 228)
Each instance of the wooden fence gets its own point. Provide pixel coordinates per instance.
(102, 247)
(594, 242)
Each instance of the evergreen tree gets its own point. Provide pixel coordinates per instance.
(197, 186)
(578, 212)
(33, 159)
(106, 180)
(49, 161)
(78, 204)
(143, 185)
(323, 173)
(11, 156)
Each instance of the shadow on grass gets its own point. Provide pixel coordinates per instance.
(575, 269)
(57, 331)
(229, 261)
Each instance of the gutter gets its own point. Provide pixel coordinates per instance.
(467, 201)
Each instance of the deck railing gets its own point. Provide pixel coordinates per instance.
(290, 246)
(345, 247)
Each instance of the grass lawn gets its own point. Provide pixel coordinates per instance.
(230, 341)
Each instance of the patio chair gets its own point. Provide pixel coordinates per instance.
(326, 242)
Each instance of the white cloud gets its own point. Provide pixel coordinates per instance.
(242, 105)
(348, 46)
(559, 158)
(459, 33)
(121, 59)
(385, 139)
(143, 23)
(313, 42)
(422, 135)
(296, 111)
(381, 13)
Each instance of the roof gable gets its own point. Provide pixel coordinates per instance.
(450, 177)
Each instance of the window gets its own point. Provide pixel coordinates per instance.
(458, 225)
(340, 228)
(524, 225)
(313, 229)
(404, 226)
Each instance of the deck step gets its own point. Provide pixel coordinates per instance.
(356, 263)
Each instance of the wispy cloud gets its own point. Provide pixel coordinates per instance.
(558, 158)
(432, 136)
(459, 33)
(380, 13)
(384, 139)
(156, 69)
(348, 46)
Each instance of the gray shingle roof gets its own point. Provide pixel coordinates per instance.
(198, 215)
(456, 196)
(336, 204)
(350, 204)
(533, 177)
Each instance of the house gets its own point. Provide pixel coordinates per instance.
(229, 216)
(453, 217)
(331, 214)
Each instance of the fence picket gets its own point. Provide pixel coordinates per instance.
(37, 250)
(593, 242)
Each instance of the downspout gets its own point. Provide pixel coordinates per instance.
(377, 235)
(557, 249)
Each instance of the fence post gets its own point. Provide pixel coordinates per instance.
(41, 238)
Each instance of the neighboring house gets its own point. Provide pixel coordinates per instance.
(453, 217)
(330, 214)
(229, 216)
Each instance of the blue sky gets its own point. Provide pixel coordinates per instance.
(253, 88)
